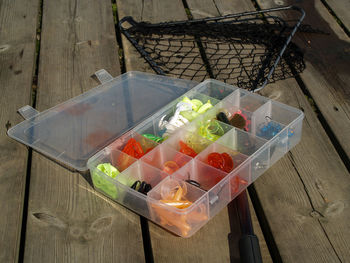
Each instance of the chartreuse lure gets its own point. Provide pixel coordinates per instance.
(211, 130)
(102, 183)
(197, 108)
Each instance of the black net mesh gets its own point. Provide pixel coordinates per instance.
(238, 49)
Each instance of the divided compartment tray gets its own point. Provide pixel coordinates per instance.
(252, 149)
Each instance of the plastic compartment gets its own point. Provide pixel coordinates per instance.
(237, 157)
(119, 188)
(194, 94)
(208, 179)
(251, 102)
(255, 147)
(283, 115)
(215, 89)
(183, 222)
(153, 124)
(146, 144)
(166, 159)
(100, 180)
(164, 117)
(151, 128)
(208, 128)
(238, 116)
(169, 110)
(277, 135)
(206, 176)
(196, 142)
(240, 179)
(234, 99)
(118, 159)
(227, 188)
(143, 172)
(219, 196)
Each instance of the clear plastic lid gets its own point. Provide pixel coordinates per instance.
(75, 130)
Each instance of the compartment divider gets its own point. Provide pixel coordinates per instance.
(251, 155)
(235, 98)
(219, 93)
(260, 114)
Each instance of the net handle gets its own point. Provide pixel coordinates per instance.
(284, 47)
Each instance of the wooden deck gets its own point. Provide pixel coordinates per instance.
(300, 206)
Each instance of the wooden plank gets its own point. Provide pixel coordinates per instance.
(210, 244)
(230, 62)
(17, 55)
(147, 11)
(327, 62)
(341, 9)
(311, 224)
(265, 253)
(326, 77)
(67, 219)
(200, 9)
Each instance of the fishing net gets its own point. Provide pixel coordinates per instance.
(239, 49)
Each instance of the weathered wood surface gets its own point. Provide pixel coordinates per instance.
(323, 178)
(327, 79)
(158, 11)
(304, 197)
(341, 9)
(17, 62)
(210, 244)
(67, 220)
(311, 195)
(216, 8)
(265, 253)
(310, 190)
(327, 66)
(200, 9)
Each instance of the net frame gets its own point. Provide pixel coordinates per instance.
(241, 49)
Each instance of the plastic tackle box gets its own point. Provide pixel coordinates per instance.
(95, 127)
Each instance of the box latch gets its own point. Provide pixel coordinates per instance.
(28, 112)
(103, 76)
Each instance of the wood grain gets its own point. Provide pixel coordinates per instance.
(67, 220)
(17, 55)
(200, 9)
(308, 187)
(327, 62)
(210, 244)
(157, 11)
(327, 78)
(265, 253)
(341, 9)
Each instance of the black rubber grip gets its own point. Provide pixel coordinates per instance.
(249, 249)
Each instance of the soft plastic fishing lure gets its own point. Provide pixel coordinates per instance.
(173, 194)
(185, 149)
(106, 185)
(222, 161)
(170, 167)
(153, 137)
(211, 130)
(186, 111)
